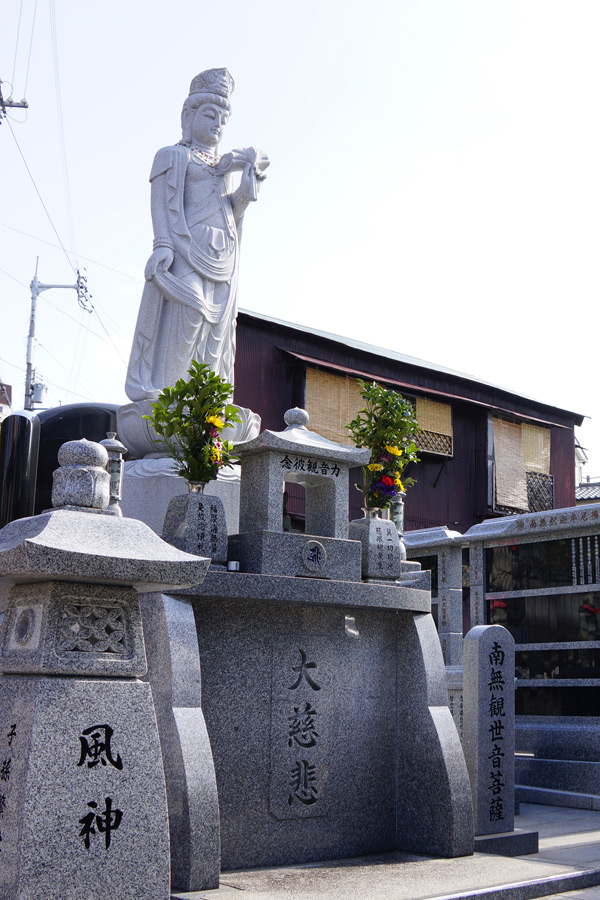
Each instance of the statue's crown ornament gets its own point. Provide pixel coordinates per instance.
(213, 81)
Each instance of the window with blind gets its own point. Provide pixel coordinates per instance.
(436, 421)
(332, 400)
(521, 456)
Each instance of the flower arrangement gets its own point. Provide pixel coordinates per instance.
(190, 416)
(386, 425)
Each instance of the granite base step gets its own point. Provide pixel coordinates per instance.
(528, 890)
(573, 776)
(508, 843)
(281, 885)
(550, 797)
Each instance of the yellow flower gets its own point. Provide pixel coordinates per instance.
(216, 421)
(399, 484)
(395, 451)
(374, 467)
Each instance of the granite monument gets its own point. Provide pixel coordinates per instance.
(83, 807)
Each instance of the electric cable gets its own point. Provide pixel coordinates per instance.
(67, 391)
(69, 316)
(40, 197)
(30, 48)
(62, 246)
(8, 275)
(46, 381)
(63, 367)
(14, 365)
(16, 45)
(114, 346)
(61, 129)
(77, 360)
(85, 258)
(77, 356)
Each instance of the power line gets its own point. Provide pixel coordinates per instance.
(12, 81)
(86, 258)
(73, 319)
(63, 367)
(61, 127)
(114, 346)
(8, 275)
(68, 390)
(30, 47)
(14, 365)
(78, 352)
(40, 197)
(46, 381)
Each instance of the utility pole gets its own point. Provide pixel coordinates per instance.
(83, 298)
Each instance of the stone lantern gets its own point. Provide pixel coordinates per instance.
(83, 809)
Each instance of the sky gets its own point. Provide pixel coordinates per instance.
(434, 185)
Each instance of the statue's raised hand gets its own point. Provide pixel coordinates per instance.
(163, 257)
(251, 162)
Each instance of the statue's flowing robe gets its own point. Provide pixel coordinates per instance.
(188, 312)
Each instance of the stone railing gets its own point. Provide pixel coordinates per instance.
(538, 574)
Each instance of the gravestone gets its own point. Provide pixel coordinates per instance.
(380, 548)
(489, 739)
(489, 725)
(196, 523)
(82, 793)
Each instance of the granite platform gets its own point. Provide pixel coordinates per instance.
(568, 860)
(326, 709)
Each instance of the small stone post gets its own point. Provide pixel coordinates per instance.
(489, 726)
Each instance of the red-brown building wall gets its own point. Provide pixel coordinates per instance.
(269, 379)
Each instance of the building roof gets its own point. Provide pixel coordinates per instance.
(588, 491)
(402, 358)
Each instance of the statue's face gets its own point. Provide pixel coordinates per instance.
(208, 124)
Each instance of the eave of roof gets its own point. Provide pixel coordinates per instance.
(405, 359)
(587, 492)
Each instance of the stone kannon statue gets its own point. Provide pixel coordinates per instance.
(188, 309)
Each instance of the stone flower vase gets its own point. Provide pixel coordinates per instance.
(397, 517)
(195, 522)
(381, 546)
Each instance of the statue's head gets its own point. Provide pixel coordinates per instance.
(213, 87)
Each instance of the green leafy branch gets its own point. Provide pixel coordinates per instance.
(190, 416)
(386, 425)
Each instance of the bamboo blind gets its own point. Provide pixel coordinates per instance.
(331, 401)
(433, 416)
(511, 483)
(536, 448)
